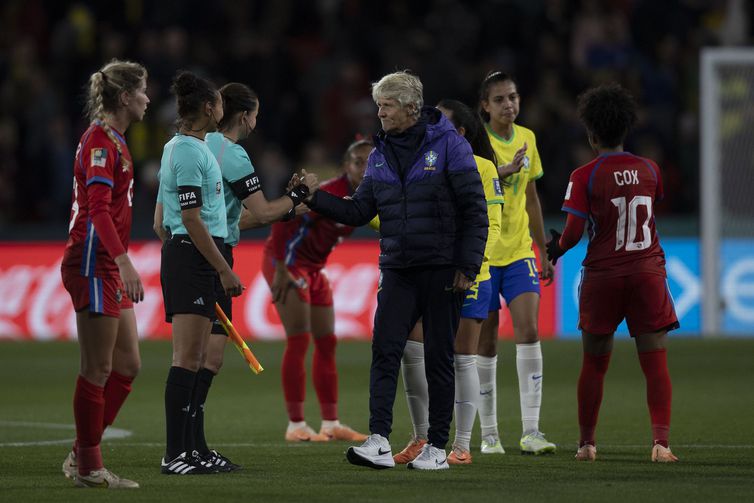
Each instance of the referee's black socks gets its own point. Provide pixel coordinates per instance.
(178, 393)
(196, 419)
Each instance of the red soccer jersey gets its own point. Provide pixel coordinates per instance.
(99, 162)
(306, 241)
(616, 193)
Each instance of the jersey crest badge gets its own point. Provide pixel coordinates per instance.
(526, 162)
(430, 158)
(99, 157)
(218, 188)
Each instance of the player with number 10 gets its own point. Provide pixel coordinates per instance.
(624, 269)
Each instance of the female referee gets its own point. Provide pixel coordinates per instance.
(191, 192)
(242, 191)
(97, 271)
(513, 267)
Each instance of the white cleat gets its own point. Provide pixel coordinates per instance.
(662, 454)
(375, 452)
(70, 468)
(104, 479)
(430, 458)
(586, 452)
(536, 443)
(491, 445)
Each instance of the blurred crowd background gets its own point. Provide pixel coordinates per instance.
(312, 62)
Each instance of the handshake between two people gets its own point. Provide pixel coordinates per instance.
(300, 189)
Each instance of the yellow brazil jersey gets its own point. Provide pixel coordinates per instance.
(494, 195)
(515, 240)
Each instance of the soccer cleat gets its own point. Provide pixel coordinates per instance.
(586, 452)
(491, 445)
(342, 432)
(536, 443)
(187, 465)
(103, 479)
(220, 462)
(409, 453)
(70, 467)
(304, 434)
(375, 452)
(430, 458)
(459, 456)
(662, 454)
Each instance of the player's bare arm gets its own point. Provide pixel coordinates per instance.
(537, 229)
(506, 170)
(157, 224)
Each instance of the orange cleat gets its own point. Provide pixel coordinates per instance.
(343, 432)
(459, 456)
(305, 434)
(412, 450)
(586, 452)
(662, 454)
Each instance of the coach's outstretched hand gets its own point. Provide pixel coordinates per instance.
(554, 251)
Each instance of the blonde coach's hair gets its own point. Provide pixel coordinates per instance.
(403, 87)
(105, 88)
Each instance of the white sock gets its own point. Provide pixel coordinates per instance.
(487, 369)
(529, 367)
(467, 397)
(295, 425)
(415, 383)
(328, 423)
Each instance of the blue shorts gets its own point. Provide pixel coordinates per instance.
(512, 280)
(477, 300)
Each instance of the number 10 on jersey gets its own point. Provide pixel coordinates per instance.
(628, 213)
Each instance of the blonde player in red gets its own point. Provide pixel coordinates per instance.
(96, 268)
(624, 270)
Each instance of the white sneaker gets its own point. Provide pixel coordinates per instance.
(375, 452)
(536, 443)
(491, 445)
(430, 458)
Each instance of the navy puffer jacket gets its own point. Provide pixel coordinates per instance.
(433, 215)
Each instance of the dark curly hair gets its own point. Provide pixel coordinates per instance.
(191, 93)
(608, 112)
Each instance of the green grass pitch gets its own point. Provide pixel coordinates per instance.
(712, 432)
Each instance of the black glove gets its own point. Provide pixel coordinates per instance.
(298, 194)
(554, 251)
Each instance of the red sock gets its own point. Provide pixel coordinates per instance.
(88, 411)
(117, 389)
(294, 375)
(591, 380)
(325, 376)
(659, 393)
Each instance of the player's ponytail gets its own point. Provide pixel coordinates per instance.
(492, 77)
(105, 88)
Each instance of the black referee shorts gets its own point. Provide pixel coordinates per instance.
(226, 303)
(189, 282)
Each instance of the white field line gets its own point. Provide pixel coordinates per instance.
(110, 433)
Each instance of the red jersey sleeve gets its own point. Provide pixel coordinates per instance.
(99, 157)
(660, 194)
(576, 199)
